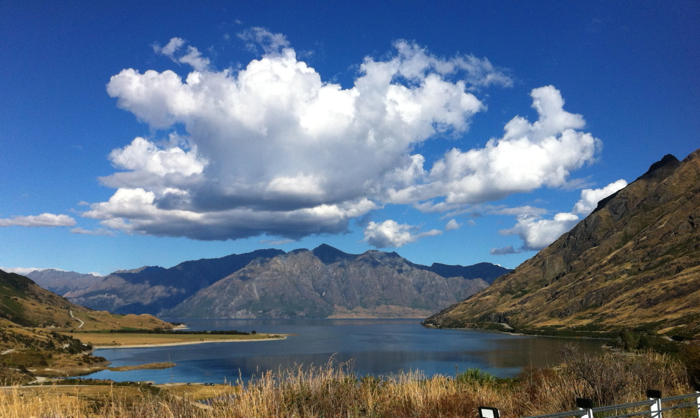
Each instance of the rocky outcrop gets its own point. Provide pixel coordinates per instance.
(635, 261)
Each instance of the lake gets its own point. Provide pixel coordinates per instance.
(376, 346)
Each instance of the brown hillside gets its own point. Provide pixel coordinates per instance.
(24, 303)
(33, 322)
(633, 262)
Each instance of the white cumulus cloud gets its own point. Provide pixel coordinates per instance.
(392, 234)
(527, 157)
(271, 148)
(591, 197)
(45, 219)
(537, 233)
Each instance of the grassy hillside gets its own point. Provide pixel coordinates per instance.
(634, 263)
(33, 326)
(24, 303)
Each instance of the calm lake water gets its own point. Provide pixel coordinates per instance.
(376, 346)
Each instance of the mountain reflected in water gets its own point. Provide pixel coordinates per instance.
(374, 346)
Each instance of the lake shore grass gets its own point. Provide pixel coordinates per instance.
(334, 390)
(148, 366)
(139, 340)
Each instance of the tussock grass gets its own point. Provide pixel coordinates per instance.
(333, 390)
(18, 403)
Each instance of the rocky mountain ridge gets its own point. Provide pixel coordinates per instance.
(157, 290)
(152, 289)
(634, 262)
(328, 283)
(61, 282)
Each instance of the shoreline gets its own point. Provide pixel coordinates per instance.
(149, 345)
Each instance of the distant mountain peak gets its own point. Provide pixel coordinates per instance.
(278, 285)
(669, 161)
(299, 251)
(330, 255)
(327, 282)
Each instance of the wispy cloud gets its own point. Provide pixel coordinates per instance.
(504, 251)
(277, 242)
(452, 225)
(43, 220)
(20, 270)
(98, 231)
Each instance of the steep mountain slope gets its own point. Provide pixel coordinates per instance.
(26, 304)
(61, 282)
(327, 282)
(152, 289)
(633, 262)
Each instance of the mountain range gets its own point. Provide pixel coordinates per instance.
(61, 282)
(634, 262)
(323, 282)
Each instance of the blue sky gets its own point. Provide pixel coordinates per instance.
(147, 133)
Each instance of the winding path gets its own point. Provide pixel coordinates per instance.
(79, 320)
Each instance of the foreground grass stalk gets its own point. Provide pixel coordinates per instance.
(333, 390)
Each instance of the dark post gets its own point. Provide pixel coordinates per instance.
(586, 405)
(655, 395)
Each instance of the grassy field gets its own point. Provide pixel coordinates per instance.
(99, 340)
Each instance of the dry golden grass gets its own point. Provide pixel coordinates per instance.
(19, 404)
(147, 366)
(334, 391)
(198, 391)
(101, 320)
(126, 339)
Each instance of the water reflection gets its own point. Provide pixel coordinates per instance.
(376, 347)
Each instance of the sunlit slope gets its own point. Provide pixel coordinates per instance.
(635, 261)
(24, 303)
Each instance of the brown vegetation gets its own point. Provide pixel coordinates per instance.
(24, 303)
(334, 391)
(631, 263)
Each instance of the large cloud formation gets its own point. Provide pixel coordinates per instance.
(527, 157)
(274, 149)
